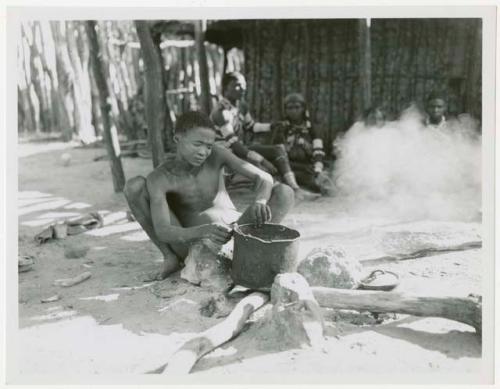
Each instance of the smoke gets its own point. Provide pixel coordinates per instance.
(407, 170)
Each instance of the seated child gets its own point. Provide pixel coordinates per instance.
(303, 144)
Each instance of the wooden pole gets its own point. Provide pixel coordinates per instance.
(24, 98)
(155, 105)
(81, 88)
(365, 70)
(110, 135)
(65, 80)
(200, 27)
(183, 360)
(464, 310)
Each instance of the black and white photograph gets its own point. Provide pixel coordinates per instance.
(207, 196)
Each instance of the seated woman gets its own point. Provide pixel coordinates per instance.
(303, 145)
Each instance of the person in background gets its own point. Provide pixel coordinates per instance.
(236, 127)
(435, 108)
(374, 117)
(303, 144)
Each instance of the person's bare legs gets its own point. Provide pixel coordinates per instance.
(278, 155)
(137, 197)
(281, 202)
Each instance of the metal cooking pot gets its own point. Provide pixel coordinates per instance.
(260, 253)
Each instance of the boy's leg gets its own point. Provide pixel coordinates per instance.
(281, 202)
(137, 197)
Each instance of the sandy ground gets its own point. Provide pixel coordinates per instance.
(115, 323)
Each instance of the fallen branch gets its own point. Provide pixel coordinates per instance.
(183, 360)
(465, 310)
(66, 282)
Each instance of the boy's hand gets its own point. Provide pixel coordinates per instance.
(260, 212)
(217, 232)
(269, 167)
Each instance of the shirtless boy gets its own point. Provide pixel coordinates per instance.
(184, 200)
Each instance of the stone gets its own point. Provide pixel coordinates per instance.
(217, 306)
(295, 319)
(330, 267)
(75, 250)
(206, 268)
(65, 159)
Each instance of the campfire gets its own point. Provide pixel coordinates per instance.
(266, 263)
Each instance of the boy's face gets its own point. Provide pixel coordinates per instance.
(294, 111)
(195, 145)
(436, 108)
(235, 90)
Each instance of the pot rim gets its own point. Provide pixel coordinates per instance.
(236, 228)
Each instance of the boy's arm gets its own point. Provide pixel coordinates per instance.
(263, 181)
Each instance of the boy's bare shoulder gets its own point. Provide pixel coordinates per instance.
(161, 178)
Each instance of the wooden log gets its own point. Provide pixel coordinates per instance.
(464, 310)
(183, 360)
(110, 135)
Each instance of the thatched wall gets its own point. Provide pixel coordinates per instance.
(322, 59)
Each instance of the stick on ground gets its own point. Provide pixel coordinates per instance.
(183, 360)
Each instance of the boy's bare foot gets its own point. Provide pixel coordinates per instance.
(169, 266)
(305, 195)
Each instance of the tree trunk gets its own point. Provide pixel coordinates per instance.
(110, 135)
(154, 96)
(81, 89)
(65, 80)
(200, 27)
